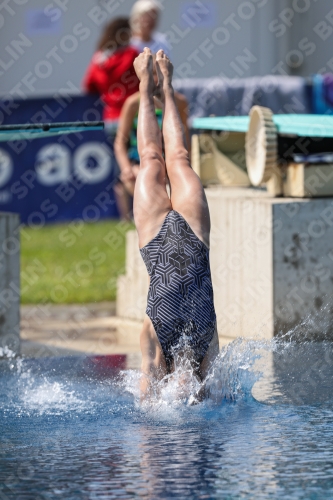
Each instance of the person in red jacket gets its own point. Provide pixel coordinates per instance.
(110, 72)
(111, 75)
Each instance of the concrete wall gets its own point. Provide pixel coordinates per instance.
(303, 268)
(241, 261)
(9, 282)
(47, 45)
(271, 262)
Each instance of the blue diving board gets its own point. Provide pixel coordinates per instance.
(292, 124)
(228, 123)
(30, 131)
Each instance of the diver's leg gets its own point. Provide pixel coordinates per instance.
(187, 194)
(151, 201)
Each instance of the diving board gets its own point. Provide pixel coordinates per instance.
(292, 124)
(30, 131)
(223, 123)
(290, 154)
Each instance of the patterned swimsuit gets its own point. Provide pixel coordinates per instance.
(180, 297)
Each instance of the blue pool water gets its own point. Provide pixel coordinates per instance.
(70, 431)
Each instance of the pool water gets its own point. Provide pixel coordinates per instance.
(72, 428)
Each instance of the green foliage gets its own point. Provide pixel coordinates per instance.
(72, 263)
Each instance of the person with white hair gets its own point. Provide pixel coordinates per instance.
(144, 18)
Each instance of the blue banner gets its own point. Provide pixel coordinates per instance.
(57, 178)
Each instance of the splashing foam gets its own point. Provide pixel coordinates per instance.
(45, 397)
(233, 374)
(230, 378)
(5, 352)
(42, 395)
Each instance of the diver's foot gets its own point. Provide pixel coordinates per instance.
(143, 66)
(164, 70)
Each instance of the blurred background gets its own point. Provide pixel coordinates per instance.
(278, 37)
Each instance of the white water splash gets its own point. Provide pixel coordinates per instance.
(230, 378)
(233, 373)
(44, 396)
(41, 394)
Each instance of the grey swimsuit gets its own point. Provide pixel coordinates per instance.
(180, 297)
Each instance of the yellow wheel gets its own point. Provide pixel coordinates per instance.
(261, 145)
